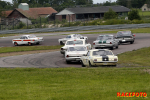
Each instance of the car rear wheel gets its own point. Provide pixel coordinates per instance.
(61, 43)
(111, 48)
(15, 44)
(131, 42)
(90, 64)
(82, 64)
(38, 43)
(29, 43)
(67, 62)
(117, 47)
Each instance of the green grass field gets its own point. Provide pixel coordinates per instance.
(72, 83)
(27, 48)
(138, 58)
(98, 83)
(144, 13)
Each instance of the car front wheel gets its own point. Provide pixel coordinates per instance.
(82, 64)
(15, 44)
(29, 43)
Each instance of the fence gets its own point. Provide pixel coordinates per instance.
(77, 28)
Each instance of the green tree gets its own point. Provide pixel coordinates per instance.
(131, 3)
(110, 14)
(134, 14)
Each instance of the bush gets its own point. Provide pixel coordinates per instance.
(110, 14)
(134, 14)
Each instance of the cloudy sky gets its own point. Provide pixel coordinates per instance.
(94, 1)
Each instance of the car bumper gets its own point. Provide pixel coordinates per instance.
(73, 59)
(104, 63)
(103, 45)
(126, 40)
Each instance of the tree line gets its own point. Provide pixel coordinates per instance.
(59, 5)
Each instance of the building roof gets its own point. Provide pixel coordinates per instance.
(23, 3)
(36, 12)
(7, 12)
(100, 9)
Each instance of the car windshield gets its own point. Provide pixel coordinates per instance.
(77, 48)
(101, 53)
(68, 36)
(32, 36)
(124, 33)
(105, 37)
(74, 42)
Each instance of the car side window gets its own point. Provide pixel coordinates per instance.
(21, 38)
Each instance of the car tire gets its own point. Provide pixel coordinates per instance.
(131, 42)
(111, 48)
(29, 43)
(67, 62)
(38, 43)
(15, 44)
(117, 47)
(82, 64)
(90, 64)
(61, 43)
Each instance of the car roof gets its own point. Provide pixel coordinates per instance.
(75, 39)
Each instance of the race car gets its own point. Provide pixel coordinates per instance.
(27, 40)
(99, 57)
(106, 41)
(78, 42)
(74, 53)
(71, 36)
(125, 36)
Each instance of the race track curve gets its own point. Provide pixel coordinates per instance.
(55, 59)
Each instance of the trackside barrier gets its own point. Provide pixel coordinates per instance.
(76, 28)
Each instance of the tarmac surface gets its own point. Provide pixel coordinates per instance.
(57, 60)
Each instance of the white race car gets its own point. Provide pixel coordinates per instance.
(106, 41)
(27, 39)
(74, 53)
(97, 57)
(71, 36)
(78, 42)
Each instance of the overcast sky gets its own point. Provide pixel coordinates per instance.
(94, 1)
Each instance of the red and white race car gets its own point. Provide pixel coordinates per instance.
(27, 39)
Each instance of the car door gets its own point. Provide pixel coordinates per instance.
(21, 42)
(86, 58)
(25, 40)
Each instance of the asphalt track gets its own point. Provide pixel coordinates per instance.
(56, 60)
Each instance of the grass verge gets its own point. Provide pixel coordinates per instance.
(72, 83)
(137, 58)
(27, 48)
(139, 30)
